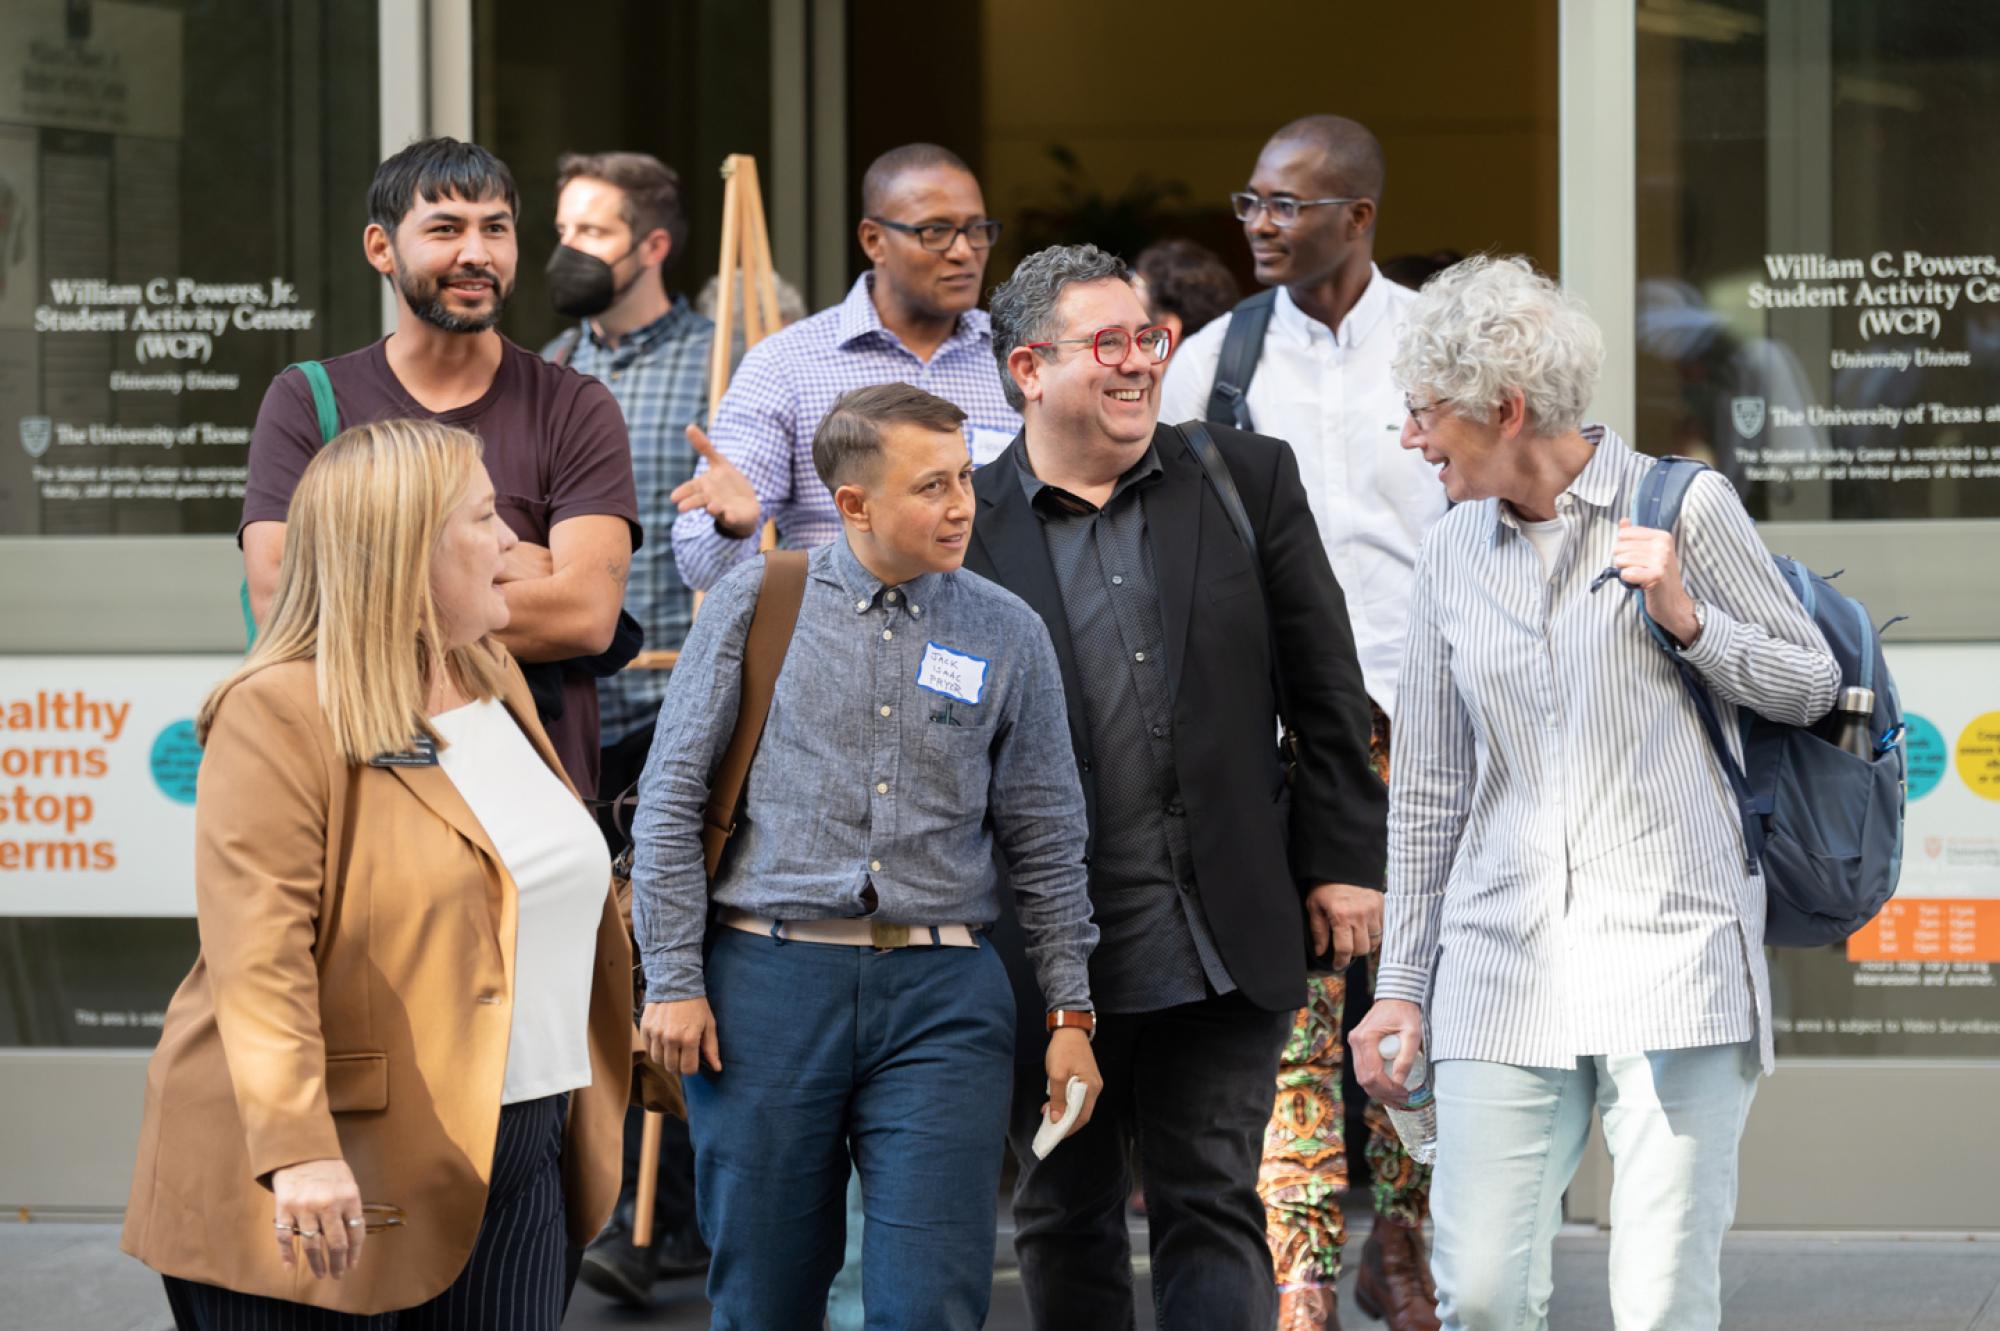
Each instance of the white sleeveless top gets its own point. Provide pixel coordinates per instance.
(562, 870)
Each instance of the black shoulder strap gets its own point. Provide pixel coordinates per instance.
(1242, 343)
(1202, 444)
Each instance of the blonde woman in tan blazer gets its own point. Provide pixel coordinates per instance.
(394, 1081)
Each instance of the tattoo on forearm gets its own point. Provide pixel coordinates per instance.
(619, 572)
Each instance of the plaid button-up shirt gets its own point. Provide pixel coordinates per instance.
(659, 374)
(786, 385)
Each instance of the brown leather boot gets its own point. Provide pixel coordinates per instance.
(1309, 1308)
(1394, 1283)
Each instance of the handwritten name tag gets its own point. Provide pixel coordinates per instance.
(989, 444)
(952, 674)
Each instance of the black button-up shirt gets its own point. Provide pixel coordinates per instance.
(1155, 949)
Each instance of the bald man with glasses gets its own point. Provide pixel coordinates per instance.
(912, 318)
(1307, 360)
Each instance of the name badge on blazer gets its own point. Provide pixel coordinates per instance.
(421, 753)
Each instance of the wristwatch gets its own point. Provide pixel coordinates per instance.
(1700, 623)
(1074, 1020)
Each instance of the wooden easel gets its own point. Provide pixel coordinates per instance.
(745, 267)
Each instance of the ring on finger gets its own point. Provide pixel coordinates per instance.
(355, 1222)
(283, 1228)
(308, 1233)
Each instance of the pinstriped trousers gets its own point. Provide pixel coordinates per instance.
(513, 1281)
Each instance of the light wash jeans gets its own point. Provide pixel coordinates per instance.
(1509, 1141)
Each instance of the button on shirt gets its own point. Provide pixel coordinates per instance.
(869, 786)
(1566, 864)
(1329, 394)
(659, 374)
(1158, 949)
(786, 385)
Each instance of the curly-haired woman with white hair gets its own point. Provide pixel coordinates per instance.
(1571, 929)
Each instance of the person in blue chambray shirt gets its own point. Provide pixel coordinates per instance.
(846, 1001)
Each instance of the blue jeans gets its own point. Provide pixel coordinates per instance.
(899, 1060)
(1509, 1141)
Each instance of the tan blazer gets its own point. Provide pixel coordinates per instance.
(353, 998)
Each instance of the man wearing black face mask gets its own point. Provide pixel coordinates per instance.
(619, 223)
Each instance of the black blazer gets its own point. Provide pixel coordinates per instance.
(1256, 843)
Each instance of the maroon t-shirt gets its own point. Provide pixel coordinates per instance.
(555, 447)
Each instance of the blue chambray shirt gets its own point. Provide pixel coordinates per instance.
(864, 777)
(659, 374)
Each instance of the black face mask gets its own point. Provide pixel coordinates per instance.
(582, 286)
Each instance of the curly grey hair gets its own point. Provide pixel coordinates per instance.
(1024, 306)
(1489, 324)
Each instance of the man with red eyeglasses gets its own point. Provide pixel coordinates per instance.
(1191, 605)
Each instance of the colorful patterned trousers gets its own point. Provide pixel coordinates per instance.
(1305, 1151)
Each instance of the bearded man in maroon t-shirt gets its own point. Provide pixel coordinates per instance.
(441, 229)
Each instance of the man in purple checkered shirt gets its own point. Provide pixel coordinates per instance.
(912, 318)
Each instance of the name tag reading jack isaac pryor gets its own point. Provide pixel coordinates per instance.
(953, 674)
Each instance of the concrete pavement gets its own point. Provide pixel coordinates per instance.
(71, 1277)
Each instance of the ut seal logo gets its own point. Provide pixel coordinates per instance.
(36, 432)
(1748, 414)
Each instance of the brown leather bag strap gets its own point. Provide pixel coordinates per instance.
(771, 623)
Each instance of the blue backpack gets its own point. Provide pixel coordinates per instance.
(1826, 826)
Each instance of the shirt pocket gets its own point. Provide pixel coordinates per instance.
(528, 518)
(954, 772)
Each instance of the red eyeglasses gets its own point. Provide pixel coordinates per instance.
(1112, 345)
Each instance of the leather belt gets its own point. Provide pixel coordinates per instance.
(851, 932)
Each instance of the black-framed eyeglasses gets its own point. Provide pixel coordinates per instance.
(1419, 411)
(937, 237)
(1283, 208)
(1112, 345)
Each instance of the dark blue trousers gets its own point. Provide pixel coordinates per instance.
(514, 1280)
(899, 1060)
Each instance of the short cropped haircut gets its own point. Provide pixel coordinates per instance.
(435, 169)
(848, 444)
(651, 188)
(883, 173)
(1353, 155)
(1189, 280)
(1024, 306)
(1487, 325)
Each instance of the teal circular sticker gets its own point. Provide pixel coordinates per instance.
(176, 758)
(1924, 749)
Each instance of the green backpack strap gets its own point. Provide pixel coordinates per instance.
(323, 403)
(328, 412)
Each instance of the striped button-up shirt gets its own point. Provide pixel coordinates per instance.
(785, 386)
(1566, 864)
(659, 374)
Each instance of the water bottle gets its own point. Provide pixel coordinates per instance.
(1417, 1125)
(1857, 714)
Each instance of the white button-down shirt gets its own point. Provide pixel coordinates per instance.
(1330, 395)
(1566, 864)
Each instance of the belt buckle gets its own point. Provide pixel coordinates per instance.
(885, 936)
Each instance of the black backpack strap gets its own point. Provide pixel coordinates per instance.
(1202, 444)
(1657, 505)
(1242, 344)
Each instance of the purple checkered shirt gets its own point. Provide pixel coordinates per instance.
(786, 385)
